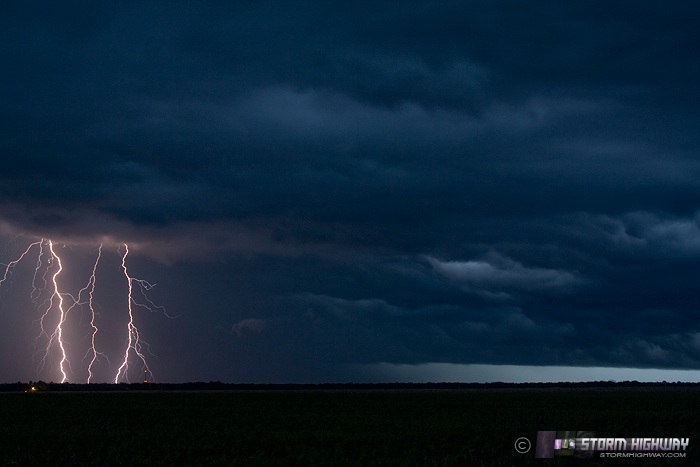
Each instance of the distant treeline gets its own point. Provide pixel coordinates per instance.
(41, 386)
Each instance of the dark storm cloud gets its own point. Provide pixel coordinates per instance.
(466, 182)
(502, 273)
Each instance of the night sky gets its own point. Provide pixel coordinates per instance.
(370, 191)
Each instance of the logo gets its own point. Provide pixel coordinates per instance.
(522, 445)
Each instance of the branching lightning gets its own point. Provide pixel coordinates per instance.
(91, 283)
(12, 264)
(90, 289)
(134, 342)
(57, 335)
(55, 310)
(35, 289)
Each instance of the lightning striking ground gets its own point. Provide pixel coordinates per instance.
(134, 342)
(47, 278)
(57, 335)
(90, 290)
(91, 305)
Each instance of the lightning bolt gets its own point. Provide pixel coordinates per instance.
(133, 339)
(90, 289)
(93, 349)
(10, 266)
(56, 297)
(35, 289)
(57, 335)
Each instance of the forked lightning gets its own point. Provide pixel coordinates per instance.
(60, 304)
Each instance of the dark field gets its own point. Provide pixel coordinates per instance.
(359, 427)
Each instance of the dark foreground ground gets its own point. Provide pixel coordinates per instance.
(341, 426)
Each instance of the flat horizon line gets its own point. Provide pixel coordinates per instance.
(40, 386)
